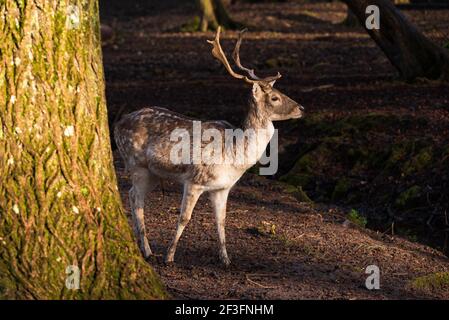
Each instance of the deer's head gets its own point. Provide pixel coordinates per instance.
(274, 104)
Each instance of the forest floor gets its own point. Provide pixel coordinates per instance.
(280, 248)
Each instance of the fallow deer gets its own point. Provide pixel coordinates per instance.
(144, 140)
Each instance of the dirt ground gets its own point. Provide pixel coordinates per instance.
(280, 248)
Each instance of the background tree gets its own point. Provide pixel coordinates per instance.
(214, 14)
(351, 19)
(405, 46)
(59, 202)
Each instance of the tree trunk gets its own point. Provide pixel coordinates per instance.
(214, 14)
(60, 209)
(406, 47)
(351, 19)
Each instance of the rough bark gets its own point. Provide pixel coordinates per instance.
(214, 14)
(59, 202)
(406, 47)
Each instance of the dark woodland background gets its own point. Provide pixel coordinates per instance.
(363, 176)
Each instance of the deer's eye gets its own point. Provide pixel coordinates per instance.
(274, 98)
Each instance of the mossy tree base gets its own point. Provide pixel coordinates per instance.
(59, 202)
(213, 15)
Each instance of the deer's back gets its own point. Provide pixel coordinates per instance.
(143, 139)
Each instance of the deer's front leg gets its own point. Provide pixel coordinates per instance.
(219, 199)
(189, 199)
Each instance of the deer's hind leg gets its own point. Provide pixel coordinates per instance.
(142, 183)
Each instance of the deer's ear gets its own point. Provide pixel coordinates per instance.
(257, 91)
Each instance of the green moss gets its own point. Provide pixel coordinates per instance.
(312, 160)
(315, 121)
(341, 189)
(84, 191)
(304, 164)
(298, 193)
(191, 26)
(438, 281)
(281, 62)
(370, 150)
(290, 189)
(397, 154)
(407, 198)
(408, 233)
(418, 162)
(355, 217)
(301, 196)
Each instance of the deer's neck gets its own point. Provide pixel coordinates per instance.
(256, 118)
(259, 123)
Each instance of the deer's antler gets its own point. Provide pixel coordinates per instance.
(236, 57)
(219, 54)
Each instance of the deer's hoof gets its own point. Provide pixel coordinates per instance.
(226, 262)
(146, 249)
(169, 259)
(147, 254)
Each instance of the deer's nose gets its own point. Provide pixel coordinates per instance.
(301, 107)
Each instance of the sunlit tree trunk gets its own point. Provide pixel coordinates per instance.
(406, 47)
(59, 202)
(214, 14)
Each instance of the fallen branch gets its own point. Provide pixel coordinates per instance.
(258, 284)
(324, 86)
